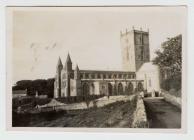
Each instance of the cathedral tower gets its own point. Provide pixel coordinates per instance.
(57, 84)
(68, 64)
(67, 74)
(77, 81)
(134, 49)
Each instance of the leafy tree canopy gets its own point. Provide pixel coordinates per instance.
(43, 86)
(169, 57)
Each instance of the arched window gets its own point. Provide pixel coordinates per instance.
(142, 52)
(120, 89)
(115, 90)
(85, 89)
(130, 88)
(103, 90)
(110, 90)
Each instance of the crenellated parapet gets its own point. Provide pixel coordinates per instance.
(133, 30)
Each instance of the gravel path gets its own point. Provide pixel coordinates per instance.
(162, 114)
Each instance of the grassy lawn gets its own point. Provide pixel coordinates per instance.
(118, 114)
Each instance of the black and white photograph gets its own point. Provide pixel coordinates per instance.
(96, 67)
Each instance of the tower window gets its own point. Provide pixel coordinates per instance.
(145, 39)
(142, 52)
(86, 76)
(138, 39)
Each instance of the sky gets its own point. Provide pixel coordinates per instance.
(91, 35)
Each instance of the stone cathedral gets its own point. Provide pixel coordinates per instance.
(138, 72)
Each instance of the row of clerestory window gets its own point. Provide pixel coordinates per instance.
(107, 76)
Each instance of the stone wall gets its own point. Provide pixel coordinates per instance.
(140, 116)
(95, 103)
(172, 99)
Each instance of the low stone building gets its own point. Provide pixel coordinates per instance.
(135, 53)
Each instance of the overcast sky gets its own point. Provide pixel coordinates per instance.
(90, 35)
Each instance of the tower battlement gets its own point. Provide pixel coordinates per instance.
(134, 49)
(127, 31)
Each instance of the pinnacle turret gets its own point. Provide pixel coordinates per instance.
(68, 60)
(76, 73)
(59, 62)
(76, 68)
(68, 63)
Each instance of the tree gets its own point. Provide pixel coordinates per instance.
(44, 87)
(169, 59)
(170, 56)
(50, 87)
